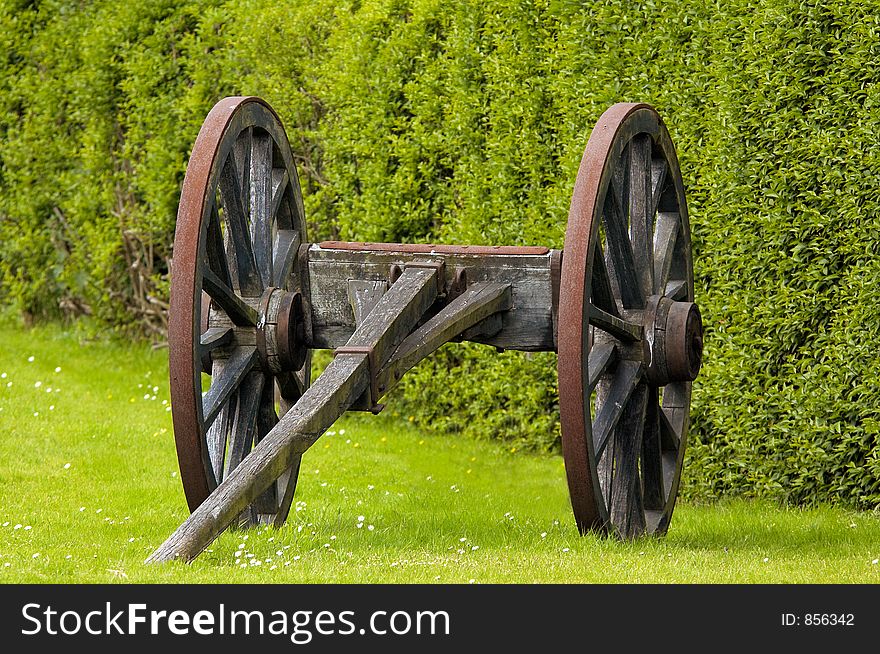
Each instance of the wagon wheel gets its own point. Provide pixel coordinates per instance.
(630, 336)
(236, 302)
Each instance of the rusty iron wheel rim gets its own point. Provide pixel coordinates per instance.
(241, 135)
(611, 493)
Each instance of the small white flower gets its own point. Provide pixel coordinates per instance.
(68, 557)
(81, 509)
(3, 375)
(361, 518)
(370, 487)
(30, 359)
(341, 432)
(475, 548)
(237, 554)
(51, 407)
(279, 553)
(462, 540)
(37, 384)
(360, 525)
(18, 526)
(297, 557)
(332, 537)
(36, 555)
(36, 414)
(564, 549)
(370, 527)
(67, 466)
(875, 561)
(131, 540)
(58, 369)
(543, 534)
(28, 528)
(472, 581)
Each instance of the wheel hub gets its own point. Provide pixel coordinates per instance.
(674, 338)
(280, 337)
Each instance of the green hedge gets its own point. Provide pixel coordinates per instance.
(464, 122)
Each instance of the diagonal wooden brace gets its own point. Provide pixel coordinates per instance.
(340, 385)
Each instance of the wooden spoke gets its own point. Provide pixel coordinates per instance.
(651, 461)
(241, 152)
(628, 373)
(261, 204)
(287, 243)
(620, 254)
(238, 311)
(280, 178)
(617, 327)
(659, 169)
(286, 485)
(237, 367)
(601, 357)
(641, 217)
(215, 337)
(291, 385)
(669, 439)
(245, 429)
(219, 430)
(245, 277)
(267, 502)
(602, 293)
(676, 289)
(215, 250)
(665, 236)
(626, 506)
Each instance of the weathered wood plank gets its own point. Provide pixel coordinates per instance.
(527, 326)
(363, 295)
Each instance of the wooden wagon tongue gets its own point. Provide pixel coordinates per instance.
(251, 297)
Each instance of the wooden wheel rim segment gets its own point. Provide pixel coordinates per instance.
(240, 187)
(629, 333)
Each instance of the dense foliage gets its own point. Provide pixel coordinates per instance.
(464, 122)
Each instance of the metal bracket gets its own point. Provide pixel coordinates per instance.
(373, 404)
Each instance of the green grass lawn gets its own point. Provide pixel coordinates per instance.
(89, 487)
